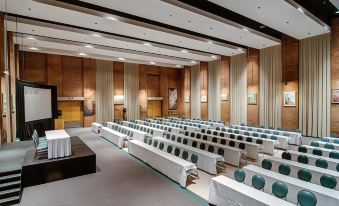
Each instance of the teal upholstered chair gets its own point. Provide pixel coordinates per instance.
(179, 139)
(334, 155)
(278, 128)
(258, 182)
(194, 158)
(246, 133)
(298, 130)
(161, 146)
(259, 141)
(169, 148)
(239, 175)
(202, 146)
(336, 141)
(273, 137)
(211, 148)
(324, 140)
(284, 169)
(259, 130)
(321, 163)
(276, 132)
(173, 137)
(337, 167)
(267, 131)
(232, 136)
(286, 156)
(168, 136)
(266, 164)
(155, 143)
(334, 135)
(329, 146)
(264, 136)
(184, 155)
(304, 175)
(221, 151)
(315, 144)
(302, 149)
(328, 181)
(255, 134)
(317, 152)
(176, 151)
(150, 141)
(239, 137)
(286, 134)
(279, 189)
(302, 159)
(306, 198)
(145, 139)
(185, 141)
(249, 139)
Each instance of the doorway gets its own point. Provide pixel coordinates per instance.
(71, 113)
(154, 108)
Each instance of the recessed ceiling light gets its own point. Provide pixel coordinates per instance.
(147, 44)
(112, 18)
(96, 35)
(152, 63)
(179, 66)
(337, 12)
(210, 42)
(245, 29)
(82, 54)
(33, 48)
(239, 49)
(89, 46)
(122, 59)
(301, 10)
(184, 50)
(214, 57)
(262, 26)
(31, 38)
(193, 62)
(326, 27)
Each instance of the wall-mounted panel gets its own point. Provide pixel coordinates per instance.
(54, 72)
(72, 76)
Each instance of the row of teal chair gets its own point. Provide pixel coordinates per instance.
(319, 152)
(127, 132)
(305, 175)
(279, 189)
(336, 141)
(186, 123)
(168, 129)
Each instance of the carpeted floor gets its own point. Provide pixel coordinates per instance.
(121, 180)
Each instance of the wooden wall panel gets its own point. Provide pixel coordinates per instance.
(187, 91)
(118, 87)
(204, 88)
(89, 70)
(2, 78)
(143, 90)
(164, 90)
(33, 67)
(335, 73)
(54, 72)
(72, 77)
(290, 80)
(253, 85)
(153, 85)
(180, 87)
(225, 88)
(12, 76)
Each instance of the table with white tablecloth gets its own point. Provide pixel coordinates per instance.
(137, 134)
(228, 192)
(322, 144)
(316, 172)
(206, 161)
(326, 152)
(95, 127)
(173, 167)
(156, 132)
(59, 143)
(113, 136)
(325, 196)
(332, 163)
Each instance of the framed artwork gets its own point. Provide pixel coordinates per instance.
(224, 97)
(289, 99)
(203, 98)
(173, 98)
(252, 98)
(335, 96)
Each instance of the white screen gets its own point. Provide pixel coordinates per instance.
(38, 103)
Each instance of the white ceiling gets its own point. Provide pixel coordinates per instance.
(335, 3)
(276, 14)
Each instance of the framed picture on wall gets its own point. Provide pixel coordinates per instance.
(335, 96)
(173, 98)
(252, 98)
(289, 99)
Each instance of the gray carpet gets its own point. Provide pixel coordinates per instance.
(121, 180)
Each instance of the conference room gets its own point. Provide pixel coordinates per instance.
(169, 102)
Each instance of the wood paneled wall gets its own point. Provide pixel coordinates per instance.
(89, 71)
(143, 90)
(186, 75)
(204, 88)
(253, 85)
(225, 88)
(290, 80)
(335, 73)
(118, 88)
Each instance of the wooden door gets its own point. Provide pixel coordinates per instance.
(154, 108)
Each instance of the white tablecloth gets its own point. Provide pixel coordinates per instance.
(115, 137)
(228, 192)
(332, 163)
(325, 196)
(59, 143)
(322, 144)
(206, 161)
(173, 167)
(316, 172)
(95, 127)
(231, 156)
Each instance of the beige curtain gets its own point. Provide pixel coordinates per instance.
(131, 91)
(195, 92)
(104, 91)
(238, 88)
(314, 86)
(214, 98)
(270, 87)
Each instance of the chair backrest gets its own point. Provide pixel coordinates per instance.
(242, 145)
(286, 156)
(304, 175)
(209, 132)
(192, 134)
(273, 137)
(232, 136)
(334, 155)
(176, 151)
(336, 141)
(215, 133)
(194, 158)
(202, 146)
(150, 141)
(255, 134)
(258, 182)
(179, 139)
(249, 139)
(284, 169)
(306, 198)
(221, 134)
(169, 148)
(329, 146)
(236, 131)
(333, 135)
(266, 164)
(231, 143)
(286, 134)
(214, 139)
(321, 163)
(173, 137)
(317, 152)
(145, 139)
(185, 141)
(184, 155)
(198, 136)
(161, 146)
(211, 148)
(302, 159)
(239, 175)
(276, 132)
(239, 137)
(302, 149)
(186, 133)
(203, 130)
(221, 151)
(204, 137)
(155, 143)
(264, 136)
(324, 140)
(337, 167)
(194, 144)
(315, 144)
(328, 181)
(279, 189)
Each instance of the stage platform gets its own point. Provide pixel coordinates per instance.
(40, 171)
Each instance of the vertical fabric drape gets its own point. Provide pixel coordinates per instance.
(270, 87)
(131, 91)
(104, 91)
(238, 88)
(214, 98)
(195, 92)
(314, 86)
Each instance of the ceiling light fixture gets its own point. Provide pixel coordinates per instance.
(210, 42)
(213, 56)
(179, 66)
(262, 26)
(89, 46)
(82, 54)
(152, 63)
(147, 44)
(184, 50)
(112, 18)
(122, 59)
(31, 38)
(301, 10)
(326, 27)
(245, 29)
(33, 48)
(96, 35)
(239, 49)
(337, 12)
(193, 62)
